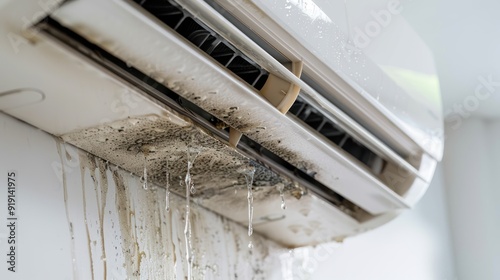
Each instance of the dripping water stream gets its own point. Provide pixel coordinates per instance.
(282, 196)
(249, 175)
(187, 227)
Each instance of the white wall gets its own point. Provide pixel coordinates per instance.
(415, 246)
(472, 174)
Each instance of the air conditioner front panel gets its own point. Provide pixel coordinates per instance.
(81, 126)
(392, 76)
(194, 76)
(97, 105)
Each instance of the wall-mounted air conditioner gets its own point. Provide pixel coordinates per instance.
(142, 84)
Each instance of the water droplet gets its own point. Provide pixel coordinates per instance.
(281, 188)
(249, 174)
(283, 205)
(250, 245)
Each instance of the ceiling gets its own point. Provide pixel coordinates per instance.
(465, 39)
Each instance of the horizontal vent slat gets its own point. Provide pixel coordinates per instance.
(227, 55)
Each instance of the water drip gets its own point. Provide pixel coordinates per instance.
(249, 174)
(283, 205)
(145, 174)
(281, 188)
(187, 227)
(192, 188)
(167, 189)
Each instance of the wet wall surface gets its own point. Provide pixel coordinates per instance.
(128, 231)
(82, 218)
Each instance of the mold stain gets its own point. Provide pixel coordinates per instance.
(150, 231)
(102, 167)
(64, 183)
(125, 221)
(165, 143)
(96, 169)
(188, 182)
(148, 238)
(87, 231)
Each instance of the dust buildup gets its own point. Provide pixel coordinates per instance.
(217, 165)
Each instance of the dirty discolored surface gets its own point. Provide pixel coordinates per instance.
(150, 142)
(129, 234)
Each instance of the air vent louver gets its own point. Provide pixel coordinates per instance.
(141, 81)
(207, 41)
(223, 52)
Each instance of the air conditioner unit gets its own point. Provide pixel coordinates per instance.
(144, 82)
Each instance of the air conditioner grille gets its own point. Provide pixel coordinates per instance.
(141, 81)
(223, 52)
(330, 130)
(206, 40)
